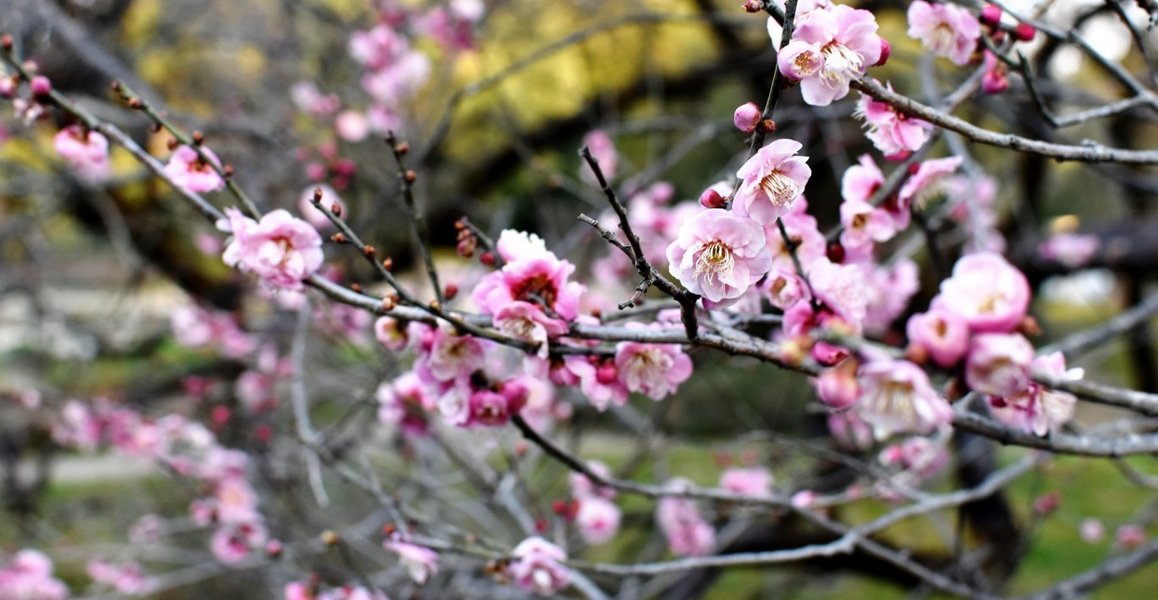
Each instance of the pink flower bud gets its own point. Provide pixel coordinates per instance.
(994, 82)
(991, 15)
(886, 50)
(1024, 32)
(837, 386)
(712, 199)
(746, 117)
(40, 85)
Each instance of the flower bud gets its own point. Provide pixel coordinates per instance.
(710, 198)
(1024, 32)
(40, 86)
(990, 15)
(886, 50)
(746, 117)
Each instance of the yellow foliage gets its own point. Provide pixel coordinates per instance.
(141, 20)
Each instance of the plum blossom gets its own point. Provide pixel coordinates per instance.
(655, 370)
(896, 397)
(536, 566)
(187, 171)
(830, 46)
(125, 578)
(231, 544)
(837, 386)
(888, 289)
(946, 29)
(1071, 250)
(597, 519)
(1037, 409)
(842, 290)
(405, 402)
(420, 562)
(749, 481)
(746, 117)
(893, 132)
(598, 379)
(582, 486)
(392, 333)
(28, 576)
(280, 249)
(688, 534)
(526, 321)
(942, 334)
(719, 255)
(804, 233)
(863, 225)
(985, 291)
(87, 152)
(772, 179)
(534, 277)
(998, 363)
(927, 182)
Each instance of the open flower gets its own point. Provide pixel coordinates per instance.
(655, 370)
(187, 171)
(987, 292)
(1037, 409)
(719, 255)
(829, 48)
(536, 566)
(948, 30)
(280, 249)
(893, 132)
(87, 152)
(896, 397)
(772, 179)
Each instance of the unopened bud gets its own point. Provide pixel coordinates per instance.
(1029, 327)
(136, 104)
(388, 263)
(227, 170)
(450, 292)
(886, 50)
(339, 238)
(990, 15)
(198, 138)
(746, 117)
(273, 548)
(357, 287)
(917, 354)
(1024, 32)
(753, 6)
(767, 125)
(40, 86)
(389, 302)
(521, 448)
(402, 148)
(369, 251)
(835, 252)
(318, 193)
(487, 258)
(411, 176)
(330, 538)
(6, 42)
(710, 198)
(336, 209)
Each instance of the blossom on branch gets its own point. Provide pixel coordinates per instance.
(893, 132)
(1037, 409)
(536, 566)
(831, 46)
(719, 255)
(772, 179)
(189, 172)
(87, 152)
(896, 397)
(946, 29)
(280, 249)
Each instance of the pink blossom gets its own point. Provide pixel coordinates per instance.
(772, 179)
(1130, 536)
(1037, 409)
(280, 249)
(603, 151)
(311, 213)
(688, 534)
(446, 28)
(889, 289)
(533, 275)
(942, 334)
(946, 29)
(537, 567)
(187, 171)
(898, 398)
(655, 370)
(841, 288)
(231, 544)
(893, 132)
(850, 431)
(837, 386)
(196, 327)
(861, 181)
(805, 235)
(994, 81)
(919, 456)
(309, 100)
(125, 578)
(598, 379)
(597, 520)
(1071, 250)
(783, 288)
(391, 333)
(495, 406)
(28, 576)
(985, 291)
(86, 151)
(420, 562)
(236, 501)
(1091, 530)
(746, 117)
(750, 481)
(526, 321)
(446, 357)
(829, 48)
(405, 402)
(924, 185)
(719, 256)
(352, 126)
(147, 530)
(998, 364)
(864, 224)
(582, 486)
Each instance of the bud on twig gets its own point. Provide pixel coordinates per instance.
(369, 251)
(330, 538)
(6, 42)
(411, 176)
(389, 301)
(339, 238)
(753, 6)
(357, 287)
(450, 291)
(227, 170)
(402, 148)
(388, 263)
(198, 138)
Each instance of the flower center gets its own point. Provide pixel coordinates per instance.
(942, 39)
(840, 63)
(779, 188)
(807, 63)
(716, 259)
(538, 288)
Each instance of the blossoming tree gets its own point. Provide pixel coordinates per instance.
(496, 421)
